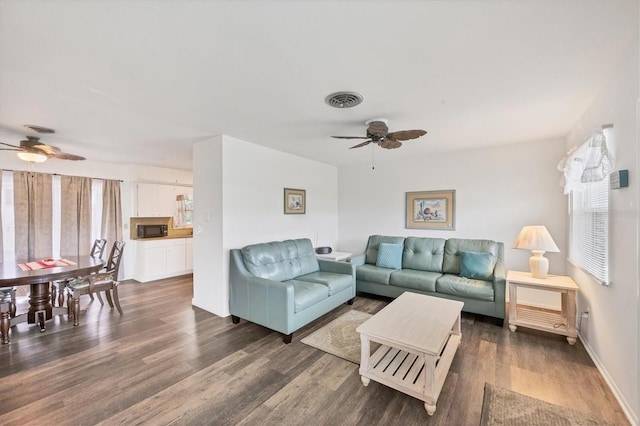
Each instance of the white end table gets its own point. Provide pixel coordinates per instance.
(561, 322)
(335, 255)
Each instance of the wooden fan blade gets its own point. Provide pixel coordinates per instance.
(15, 148)
(349, 137)
(362, 144)
(405, 135)
(378, 128)
(65, 156)
(55, 152)
(390, 144)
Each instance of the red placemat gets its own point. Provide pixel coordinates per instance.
(32, 266)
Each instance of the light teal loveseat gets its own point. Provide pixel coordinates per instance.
(432, 266)
(282, 286)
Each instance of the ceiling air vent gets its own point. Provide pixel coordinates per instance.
(343, 99)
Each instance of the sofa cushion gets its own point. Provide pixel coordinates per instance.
(306, 294)
(334, 282)
(464, 287)
(373, 274)
(453, 247)
(478, 266)
(374, 243)
(389, 256)
(280, 260)
(415, 280)
(423, 254)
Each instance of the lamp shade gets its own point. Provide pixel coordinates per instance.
(32, 156)
(535, 237)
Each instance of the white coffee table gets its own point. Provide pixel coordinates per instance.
(414, 331)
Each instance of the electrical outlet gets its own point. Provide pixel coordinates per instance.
(585, 314)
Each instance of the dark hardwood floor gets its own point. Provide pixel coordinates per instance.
(165, 362)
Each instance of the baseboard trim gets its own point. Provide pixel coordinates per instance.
(633, 419)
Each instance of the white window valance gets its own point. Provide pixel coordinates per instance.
(590, 162)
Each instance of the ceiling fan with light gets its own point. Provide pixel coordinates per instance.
(378, 132)
(32, 150)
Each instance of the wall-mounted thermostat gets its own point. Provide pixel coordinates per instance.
(619, 179)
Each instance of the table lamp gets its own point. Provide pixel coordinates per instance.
(537, 239)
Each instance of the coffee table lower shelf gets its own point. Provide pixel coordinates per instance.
(419, 375)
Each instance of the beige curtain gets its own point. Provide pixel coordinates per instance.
(33, 215)
(1, 237)
(111, 212)
(75, 227)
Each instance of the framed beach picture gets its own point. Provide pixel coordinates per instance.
(431, 210)
(295, 201)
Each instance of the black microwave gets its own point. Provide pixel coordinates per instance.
(152, 231)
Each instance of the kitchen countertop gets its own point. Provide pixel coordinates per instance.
(170, 237)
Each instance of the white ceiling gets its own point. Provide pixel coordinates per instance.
(140, 81)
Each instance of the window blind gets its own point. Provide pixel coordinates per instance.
(589, 229)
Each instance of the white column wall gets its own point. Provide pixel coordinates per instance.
(209, 286)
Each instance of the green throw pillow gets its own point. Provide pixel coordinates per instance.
(477, 266)
(390, 256)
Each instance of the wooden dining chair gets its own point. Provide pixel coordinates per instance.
(57, 287)
(104, 281)
(7, 311)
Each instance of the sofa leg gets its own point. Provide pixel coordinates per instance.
(500, 322)
(235, 319)
(350, 301)
(287, 338)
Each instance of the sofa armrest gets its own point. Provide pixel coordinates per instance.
(336, 267)
(499, 288)
(358, 259)
(265, 302)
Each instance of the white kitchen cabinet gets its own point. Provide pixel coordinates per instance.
(189, 257)
(176, 258)
(158, 200)
(153, 259)
(163, 258)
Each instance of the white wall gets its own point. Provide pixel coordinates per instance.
(498, 190)
(128, 173)
(611, 333)
(244, 185)
(209, 285)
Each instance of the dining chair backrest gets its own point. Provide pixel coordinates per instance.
(98, 248)
(113, 264)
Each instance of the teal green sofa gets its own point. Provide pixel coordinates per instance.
(435, 267)
(281, 285)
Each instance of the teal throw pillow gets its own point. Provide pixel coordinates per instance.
(390, 256)
(477, 266)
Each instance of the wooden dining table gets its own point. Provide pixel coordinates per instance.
(40, 307)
